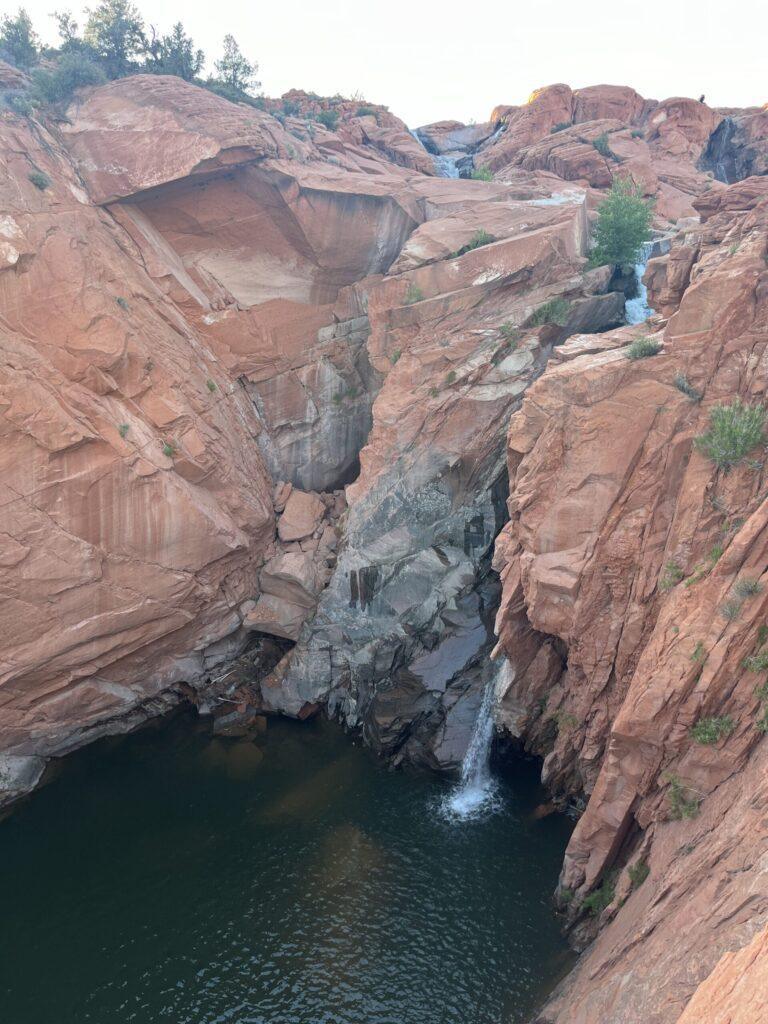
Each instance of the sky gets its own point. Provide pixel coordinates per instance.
(429, 61)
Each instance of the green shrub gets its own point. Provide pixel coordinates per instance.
(565, 721)
(638, 872)
(602, 146)
(19, 102)
(559, 127)
(746, 587)
(123, 429)
(553, 312)
(642, 348)
(450, 377)
(683, 803)
(600, 898)
(730, 609)
(74, 71)
(509, 331)
(709, 731)
(482, 173)
(734, 430)
(169, 449)
(480, 238)
(672, 575)
(329, 118)
(698, 657)
(211, 385)
(365, 111)
(413, 294)
(433, 392)
(19, 44)
(39, 180)
(395, 356)
(637, 133)
(682, 384)
(122, 303)
(623, 225)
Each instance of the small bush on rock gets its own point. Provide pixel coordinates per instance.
(709, 731)
(482, 174)
(638, 872)
(747, 587)
(683, 803)
(413, 294)
(602, 146)
(642, 348)
(734, 430)
(600, 898)
(480, 238)
(39, 180)
(683, 384)
(329, 118)
(74, 71)
(559, 127)
(553, 312)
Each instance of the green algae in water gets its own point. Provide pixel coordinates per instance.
(172, 876)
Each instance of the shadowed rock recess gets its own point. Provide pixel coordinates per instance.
(292, 419)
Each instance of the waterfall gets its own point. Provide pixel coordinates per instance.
(637, 310)
(476, 793)
(445, 166)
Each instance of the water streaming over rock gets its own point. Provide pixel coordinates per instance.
(477, 791)
(637, 309)
(445, 166)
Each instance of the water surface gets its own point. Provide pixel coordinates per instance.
(171, 876)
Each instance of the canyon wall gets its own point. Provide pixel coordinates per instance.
(263, 379)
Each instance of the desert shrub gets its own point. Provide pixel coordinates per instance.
(329, 118)
(413, 294)
(123, 429)
(559, 127)
(734, 430)
(73, 71)
(122, 303)
(395, 356)
(482, 173)
(509, 331)
(637, 133)
(708, 731)
(683, 803)
(211, 385)
(600, 898)
(642, 348)
(565, 721)
(290, 108)
(672, 575)
(623, 225)
(747, 587)
(698, 657)
(602, 146)
(169, 449)
(638, 872)
(365, 111)
(683, 384)
(450, 377)
(730, 609)
(553, 312)
(433, 392)
(18, 101)
(39, 180)
(480, 238)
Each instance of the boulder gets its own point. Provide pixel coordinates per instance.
(302, 515)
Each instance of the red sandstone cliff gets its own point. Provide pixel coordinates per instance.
(205, 303)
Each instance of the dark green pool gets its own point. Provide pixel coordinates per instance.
(169, 876)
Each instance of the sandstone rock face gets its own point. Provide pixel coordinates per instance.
(736, 992)
(623, 549)
(738, 147)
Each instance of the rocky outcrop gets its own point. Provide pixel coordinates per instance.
(623, 550)
(736, 992)
(738, 147)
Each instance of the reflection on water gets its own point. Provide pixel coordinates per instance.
(169, 876)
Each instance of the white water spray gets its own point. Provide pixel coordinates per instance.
(477, 791)
(637, 310)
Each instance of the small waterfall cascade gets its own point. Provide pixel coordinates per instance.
(445, 166)
(637, 310)
(477, 793)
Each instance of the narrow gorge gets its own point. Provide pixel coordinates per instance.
(331, 475)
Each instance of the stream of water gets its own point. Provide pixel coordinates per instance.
(637, 310)
(172, 876)
(477, 792)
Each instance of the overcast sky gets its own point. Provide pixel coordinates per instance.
(432, 60)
